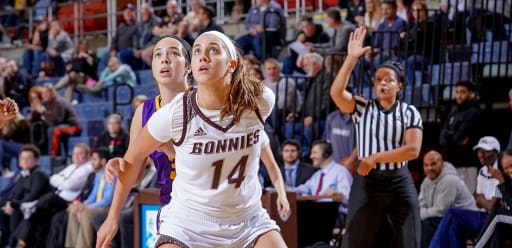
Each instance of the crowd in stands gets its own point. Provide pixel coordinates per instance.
(467, 186)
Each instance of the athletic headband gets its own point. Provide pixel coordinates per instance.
(227, 42)
(396, 67)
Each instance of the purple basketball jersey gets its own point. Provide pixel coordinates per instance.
(164, 165)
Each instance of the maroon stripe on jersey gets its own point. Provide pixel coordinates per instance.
(206, 119)
(258, 113)
(185, 119)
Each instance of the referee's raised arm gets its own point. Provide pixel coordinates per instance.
(344, 99)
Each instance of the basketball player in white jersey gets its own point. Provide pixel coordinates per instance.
(217, 131)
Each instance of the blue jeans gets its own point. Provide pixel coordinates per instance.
(249, 43)
(416, 63)
(32, 61)
(456, 226)
(313, 132)
(381, 58)
(8, 150)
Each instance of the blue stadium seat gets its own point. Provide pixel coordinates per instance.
(492, 52)
(52, 80)
(145, 77)
(93, 110)
(126, 111)
(76, 140)
(92, 128)
(13, 165)
(45, 164)
(450, 73)
(150, 90)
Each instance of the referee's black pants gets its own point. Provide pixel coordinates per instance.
(383, 211)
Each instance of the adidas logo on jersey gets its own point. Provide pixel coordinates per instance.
(200, 132)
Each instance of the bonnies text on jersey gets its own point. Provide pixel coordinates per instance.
(226, 145)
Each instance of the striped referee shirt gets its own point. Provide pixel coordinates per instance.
(380, 130)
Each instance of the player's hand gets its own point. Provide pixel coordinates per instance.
(107, 233)
(283, 207)
(366, 165)
(9, 109)
(355, 43)
(113, 167)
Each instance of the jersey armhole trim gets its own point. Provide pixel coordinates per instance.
(185, 119)
(258, 114)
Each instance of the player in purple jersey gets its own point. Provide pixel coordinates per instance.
(171, 75)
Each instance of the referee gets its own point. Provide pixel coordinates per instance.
(389, 133)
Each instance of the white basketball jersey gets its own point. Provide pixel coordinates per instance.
(217, 163)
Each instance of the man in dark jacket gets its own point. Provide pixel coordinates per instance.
(460, 133)
(294, 171)
(206, 15)
(16, 84)
(32, 185)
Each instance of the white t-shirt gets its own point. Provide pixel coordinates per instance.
(486, 184)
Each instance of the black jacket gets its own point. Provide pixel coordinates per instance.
(17, 87)
(117, 146)
(462, 122)
(30, 188)
(304, 173)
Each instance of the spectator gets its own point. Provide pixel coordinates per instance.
(421, 51)
(33, 49)
(57, 232)
(331, 180)
(184, 33)
(16, 84)
(132, 55)
(205, 16)
(80, 231)
(458, 225)
(32, 185)
(265, 18)
(169, 25)
(124, 238)
(310, 33)
(124, 37)
(115, 73)
(403, 9)
(58, 116)
(288, 98)
(59, 51)
(237, 12)
(250, 61)
(192, 17)
(115, 138)
(68, 184)
(461, 14)
(386, 37)
(498, 225)
(295, 172)
(339, 40)
(13, 135)
(318, 102)
(459, 133)
(372, 16)
(355, 11)
(82, 71)
(440, 190)
(341, 133)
